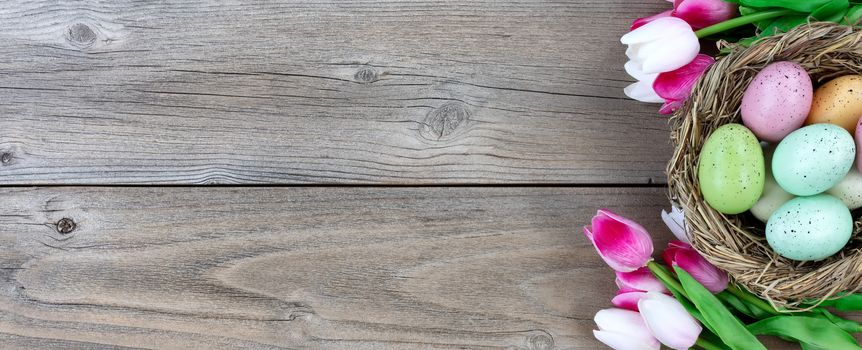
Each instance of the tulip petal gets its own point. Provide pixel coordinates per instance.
(619, 341)
(676, 85)
(628, 300)
(669, 321)
(704, 13)
(624, 329)
(623, 244)
(662, 45)
(672, 53)
(640, 22)
(655, 30)
(670, 106)
(675, 221)
(640, 280)
(642, 91)
(707, 274)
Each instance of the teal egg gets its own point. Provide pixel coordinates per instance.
(732, 170)
(813, 159)
(810, 228)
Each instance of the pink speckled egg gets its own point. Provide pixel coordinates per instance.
(777, 101)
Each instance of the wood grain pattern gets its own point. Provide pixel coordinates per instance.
(399, 92)
(299, 268)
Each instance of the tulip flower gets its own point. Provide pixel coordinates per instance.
(633, 287)
(641, 280)
(675, 86)
(624, 330)
(683, 255)
(644, 20)
(675, 221)
(628, 299)
(704, 13)
(622, 243)
(668, 321)
(662, 45)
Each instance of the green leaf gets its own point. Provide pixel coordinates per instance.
(852, 302)
(783, 24)
(853, 15)
(814, 332)
(806, 6)
(724, 324)
(845, 324)
(832, 11)
(745, 10)
(741, 306)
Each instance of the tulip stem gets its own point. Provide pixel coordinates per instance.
(707, 345)
(751, 299)
(665, 276)
(740, 21)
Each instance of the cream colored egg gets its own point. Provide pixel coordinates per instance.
(773, 198)
(849, 190)
(773, 195)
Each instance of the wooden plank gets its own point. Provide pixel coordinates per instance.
(399, 92)
(321, 268)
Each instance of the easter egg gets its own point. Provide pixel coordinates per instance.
(731, 171)
(838, 102)
(813, 159)
(858, 137)
(773, 195)
(849, 190)
(777, 101)
(810, 228)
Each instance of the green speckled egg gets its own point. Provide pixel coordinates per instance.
(731, 171)
(813, 159)
(810, 228)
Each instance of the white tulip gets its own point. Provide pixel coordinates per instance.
(669, 321)
(662, 45)
(675, 221)
(624, 330)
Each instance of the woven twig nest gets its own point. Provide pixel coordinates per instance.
(736, 243)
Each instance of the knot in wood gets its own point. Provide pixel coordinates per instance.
(65, 226)
(366, 75)
(540, 341)
(81, 35)
(6, 158)
(444, 121)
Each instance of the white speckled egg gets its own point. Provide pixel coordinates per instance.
(773, 195)
(777, 101)
(849, 190)
(813, 159)
(810, 228)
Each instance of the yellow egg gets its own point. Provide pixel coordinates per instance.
(838, 102)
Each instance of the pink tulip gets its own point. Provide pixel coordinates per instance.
(683, 255)
(628, 299)
(669, 321)
(633, 287)
(644, 20)
(624, 330)
(622, 243)
(640, 280)
(704, 13)
(675, 86)
(661, 45)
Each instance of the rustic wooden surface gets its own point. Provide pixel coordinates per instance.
(285, 93)
(328, 268)
(288, 92)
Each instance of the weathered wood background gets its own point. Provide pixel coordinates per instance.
(402, 97)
